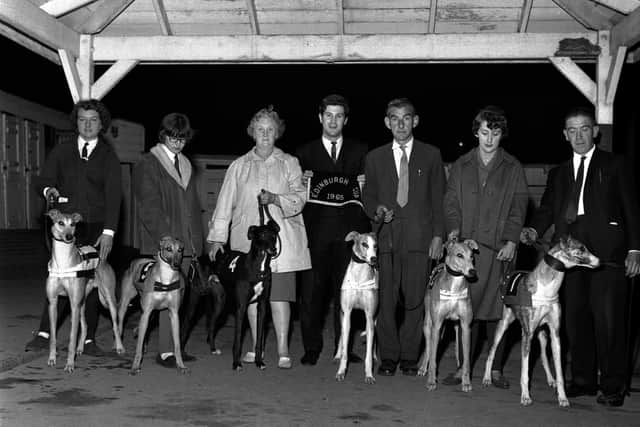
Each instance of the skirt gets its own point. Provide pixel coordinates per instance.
(283, 286)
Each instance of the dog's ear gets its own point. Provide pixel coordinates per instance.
(273, 226)
(353, 235)
(251, 232)
(76, 217)
(472, 244)
(53, 214)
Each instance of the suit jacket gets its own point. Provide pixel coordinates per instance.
(93, 187)
(424, 210)
(326, 223)
(610, 203)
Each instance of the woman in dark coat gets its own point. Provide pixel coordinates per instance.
(486, 200)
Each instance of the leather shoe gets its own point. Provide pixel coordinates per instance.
(38, 343)
(613, 400)
(354, 358)
(408, 368)
(310, 358)
(451, 379)
(92, 349)
(169, 362)
(500, 381)
(387, 368)
(575, 390)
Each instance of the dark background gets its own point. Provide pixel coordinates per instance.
(221, 98)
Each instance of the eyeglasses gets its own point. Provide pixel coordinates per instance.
(581, 129)
(176, 141)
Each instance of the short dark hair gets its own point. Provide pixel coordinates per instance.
(495, 118)
(334, 99)
(580, 110)
(175, 125)
(400, 103)
(271, 114)
(95, 105)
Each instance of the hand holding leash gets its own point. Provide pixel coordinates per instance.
(528, 235)
(105, 242)
(632, 264)
(435, 249)
(507, 252)
(267, 198)
(52, 195)
(383, 214)
(215, 248)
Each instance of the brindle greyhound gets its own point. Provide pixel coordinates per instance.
(160, 285)
(532, 298)
(74, 272)
(447, 297)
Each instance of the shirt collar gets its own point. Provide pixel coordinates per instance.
(588, 155)
(408, 145)
(171, 154)
(327, 142)
(82, 141)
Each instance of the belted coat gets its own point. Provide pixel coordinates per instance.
(237, 207)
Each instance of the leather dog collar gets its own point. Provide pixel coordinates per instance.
(161, 287)
(453, 272)
(355, 259)
(554, 263)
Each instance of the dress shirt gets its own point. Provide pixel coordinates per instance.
(397, 153)
(327, 146)
(576, 164)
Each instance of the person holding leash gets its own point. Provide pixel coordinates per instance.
(270, 177)
(404, 187)
(327, 226)
(593, 198)
(167, 204)
(486, 200)
(86, 173)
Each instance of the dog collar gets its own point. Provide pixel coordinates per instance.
(161, 287)
(453, 296)
(554, 263)
(453, 272)
(355, 259)
(64, 241)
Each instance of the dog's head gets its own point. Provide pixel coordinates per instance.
(460, 257)
(64, 225)
(264, 237)
(171, 250)
(573, 253)
(365, 246)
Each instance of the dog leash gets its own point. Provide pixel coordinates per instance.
(264, 210)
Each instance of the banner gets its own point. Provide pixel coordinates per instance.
(333, 189)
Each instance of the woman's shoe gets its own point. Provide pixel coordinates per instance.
(284, 362)
(249, 357)
(499, 380)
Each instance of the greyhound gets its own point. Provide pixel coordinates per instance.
(160, 285)
(359, 290)
(532, 298)
(447, 297)
(74, 272)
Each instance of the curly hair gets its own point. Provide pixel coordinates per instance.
(334, 99)
(95, 105)
(270, 114)
(175, 125)
(495, 118)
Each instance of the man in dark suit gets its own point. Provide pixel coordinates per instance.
(86, 173)
(327, 226)
(404, 187)
(592, 197)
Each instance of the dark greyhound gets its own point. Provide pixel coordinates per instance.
(249, 274)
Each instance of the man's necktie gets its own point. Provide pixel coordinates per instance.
(334, 154)
(85, 154)
(572, 207)
(176, 164)
(402, 196)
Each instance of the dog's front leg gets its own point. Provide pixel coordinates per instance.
(345, 327)
(83, 329)
(435, 337)
(466, 353)
(368, 361)
(147, 309)
(110, 300)
(237, 336)
(554, 327)
(175, 334)
(53, 319)
(217, 301)
(525, 398)
(426, 329)
(73, 334)
(261, 320)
